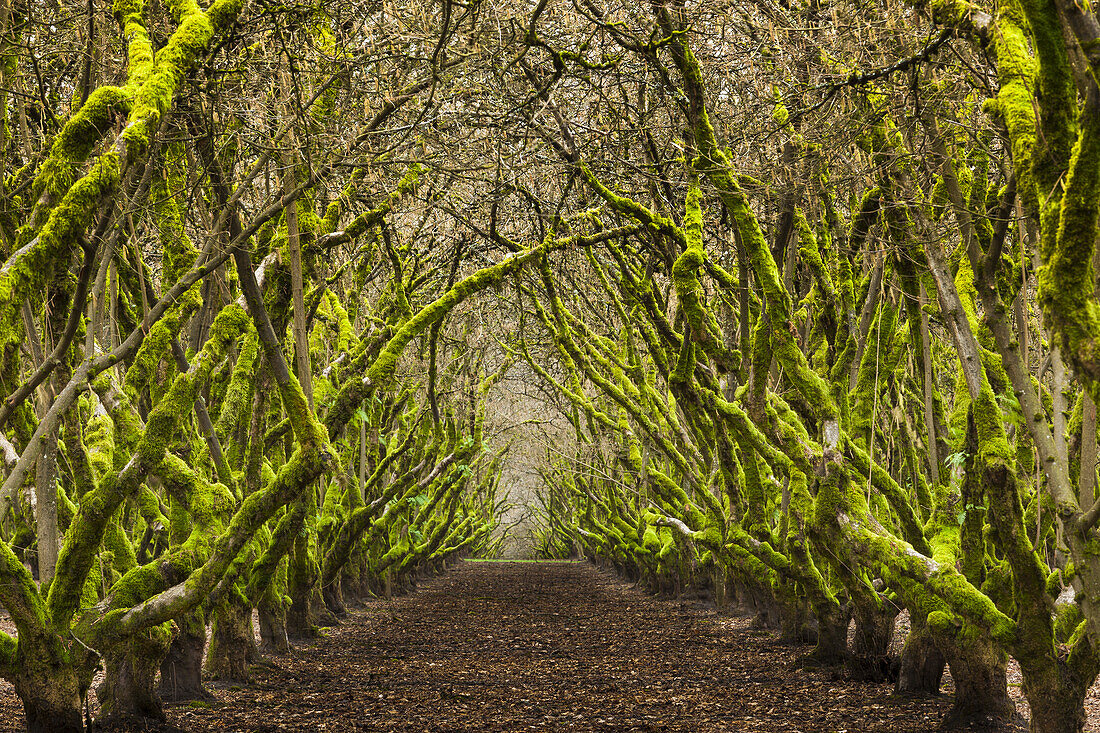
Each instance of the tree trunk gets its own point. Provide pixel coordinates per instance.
(129, 689)
(301, 576)
(765, 607)
(181, 670)
(232, 645)
(796, 622)
(1057, 707)
(273, 636)
(51, 703)
(333, 594)
(874, 629)
(352, 587)
(53, 716)
(981, 689)
(272, 609)
(922, 663)
(832, 638)
(45, 488)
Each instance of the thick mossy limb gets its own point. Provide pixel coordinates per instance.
(676, 497)
(208, 505)
(301, 470)
(154, 348)
(1065, 282)
(234, 414)
(74, 143)
(1055, 88)
(704, 329)
(160, 76)
(19, 595)
(897, 497)
(98, 506)
(714, 163)
(27, 273)
(841, 506)
(1029, 572)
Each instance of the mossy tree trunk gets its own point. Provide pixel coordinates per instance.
(129, 688)
(232, 643)
(181, 670)
(921, 666)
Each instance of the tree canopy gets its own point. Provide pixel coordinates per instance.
(806, 291)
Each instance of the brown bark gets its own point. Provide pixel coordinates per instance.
(273, 634)
(301, 616)
(129, 689)
(922, 664)
(981, 687)
(232, 646)
(181, 670)
(874, 629)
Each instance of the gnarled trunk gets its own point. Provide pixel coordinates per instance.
(232, 645)
(874, 629)
(981, 688)
(832, 637)
(129, 689)
(181, 670)
(1057, 703)
(333, 595)
(51, 704)
(922, 664)
(301, 577)
(272, 612)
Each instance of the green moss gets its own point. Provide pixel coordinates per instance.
(943, 622)
(155, 346)
(178, 252)
(158, 79)
(27, 273)
(76, 140)
(180, 399)
(235, 408)
(383, 368)
(992, 441)
(372, 218)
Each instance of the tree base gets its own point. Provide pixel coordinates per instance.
(181, 670)
(920, 669)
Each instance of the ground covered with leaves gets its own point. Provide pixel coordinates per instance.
(544, 646)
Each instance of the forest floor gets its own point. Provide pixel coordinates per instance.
(544, 646)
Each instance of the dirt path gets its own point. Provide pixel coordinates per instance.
(546, 647)
(525, 646)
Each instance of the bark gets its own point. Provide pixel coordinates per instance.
(929, 400)
(58, 712)
(796, 622)
(129, 689)
(981, 688)
(52, 695)
(1058, 708)
(874, 629)
(273, 634)
(333, 594)
(922, 664)
(181, 670)
(301, 619)
(832, 638)
(1087, 485)
(232, 645)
